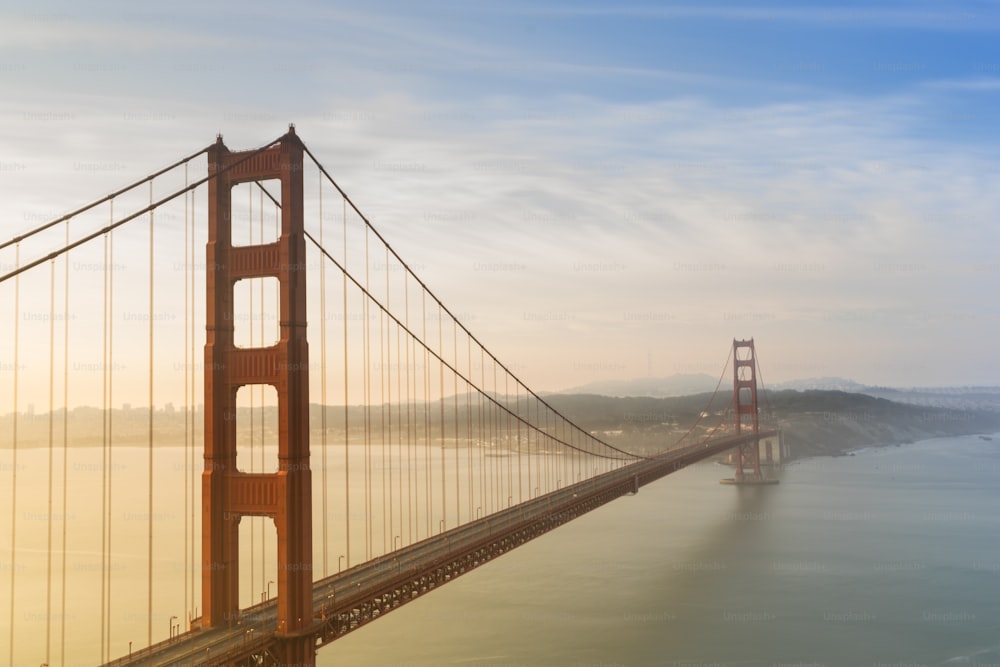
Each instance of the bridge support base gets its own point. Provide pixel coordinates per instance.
(296, 652)
(749, 481)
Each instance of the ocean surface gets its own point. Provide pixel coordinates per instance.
(889, 557)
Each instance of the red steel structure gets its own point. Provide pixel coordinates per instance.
(745, 405)
(304, 615)
(228, 493)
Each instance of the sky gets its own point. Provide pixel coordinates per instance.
(600, 191)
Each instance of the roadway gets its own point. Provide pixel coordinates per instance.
(349, 599)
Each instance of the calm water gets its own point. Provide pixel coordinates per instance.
(888, 557)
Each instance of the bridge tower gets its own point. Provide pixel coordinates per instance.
(745, 406)
(229, 494)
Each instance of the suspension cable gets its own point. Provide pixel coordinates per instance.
(709, 405)
(433, 296)
(103, 200)
(137, 214)
(446, 364)
(763, 388)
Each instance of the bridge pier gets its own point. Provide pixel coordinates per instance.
(296, 651)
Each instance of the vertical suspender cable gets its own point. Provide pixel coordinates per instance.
(253, 520)
(62, 627)
(322, 363)
(383, 381)
(347, 444)
(104, 447)
(468, 430)
(277, 300)
(13, 466)
(454, 375)
(399, 427)
(191, 470)
(549, 450)
(409, 429)
(482, 452)
(520, 465)
(444, 495)
(494, 437)
(368, 414)
(152, 320)
(187, 397)
(506, 401)
(106, 434)
(110, 413)
(427, 414)
(52, 379)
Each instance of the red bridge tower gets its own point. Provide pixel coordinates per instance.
(747, 455)
(229, 494)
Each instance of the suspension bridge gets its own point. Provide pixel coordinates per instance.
(346, 468)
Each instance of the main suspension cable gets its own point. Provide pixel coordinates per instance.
(434, 297)
(133, 216)
(708, 407)
(107, 198)
(446, 364)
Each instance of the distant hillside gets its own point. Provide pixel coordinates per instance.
(675, 385)
(960, 398)
(830, 383)
(815, 422)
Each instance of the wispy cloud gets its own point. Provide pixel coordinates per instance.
(65, 33)
(563, 217)
(929, 16)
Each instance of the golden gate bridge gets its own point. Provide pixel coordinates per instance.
(434, 457)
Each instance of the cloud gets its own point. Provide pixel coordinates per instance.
(67, 33)
(928, 16)
(513, 199)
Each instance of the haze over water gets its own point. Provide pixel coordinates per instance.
(889, 557)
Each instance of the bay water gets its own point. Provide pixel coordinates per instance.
(889, 558)
(886, 558)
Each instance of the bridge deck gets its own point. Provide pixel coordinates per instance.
(350, 599)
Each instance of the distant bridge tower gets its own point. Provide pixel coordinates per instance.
(229, 494)
(744, 407)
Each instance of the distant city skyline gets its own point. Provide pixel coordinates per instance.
(598, 192)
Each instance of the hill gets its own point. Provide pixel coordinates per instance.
(815, 422)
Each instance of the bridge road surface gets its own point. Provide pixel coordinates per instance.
(347, 600)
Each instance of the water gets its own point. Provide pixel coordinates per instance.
(888, 557)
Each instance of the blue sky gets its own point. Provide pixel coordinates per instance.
(664, 177)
